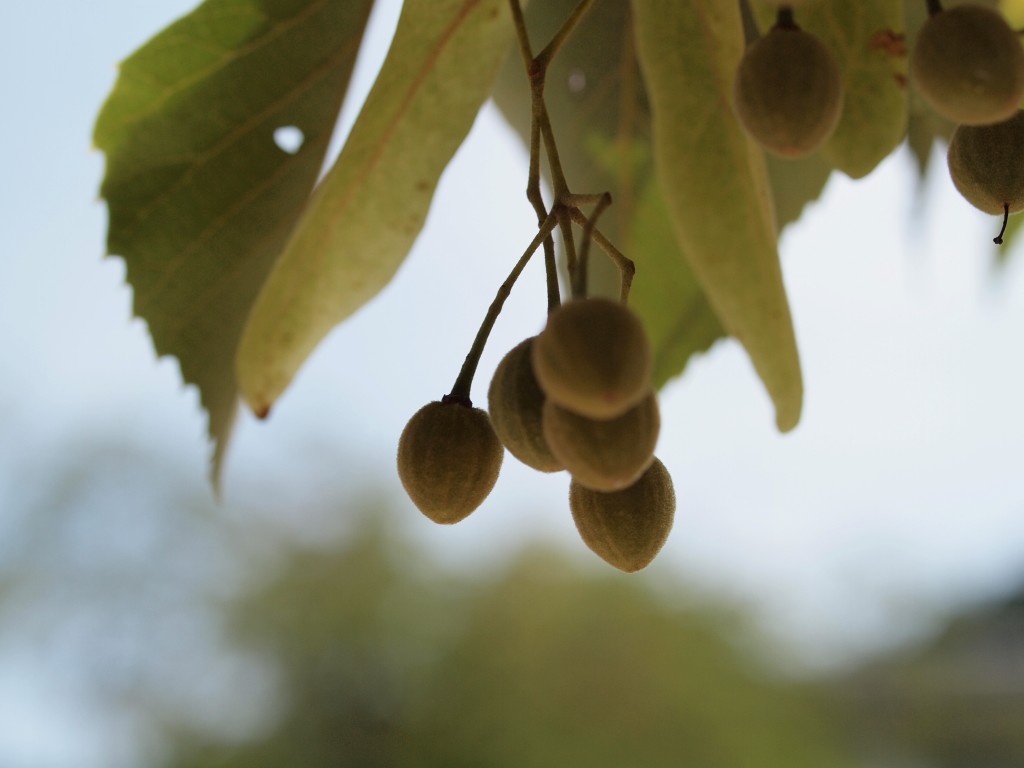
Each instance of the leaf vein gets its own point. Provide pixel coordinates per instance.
(274, 31)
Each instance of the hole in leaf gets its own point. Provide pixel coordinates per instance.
(289, 139)
(577, 81)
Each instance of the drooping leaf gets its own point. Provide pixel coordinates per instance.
(601, 119)
(201, 198)
(369, 209)
(1013, 10)
(679, 319)
(924, 124)
(795, 183)
(865, 37)
(925, 127)
(715, 182)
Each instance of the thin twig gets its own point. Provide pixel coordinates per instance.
(626, 266)
(579, 277)
(544, 57)
(462, 385)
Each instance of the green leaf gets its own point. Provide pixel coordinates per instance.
(679, 319)
(602, 121)
(715, 182)
(795, 183)
(1013, 10)
(201, 199)
(864, 36)
(924, 125)
(369, 209)
(923, 128)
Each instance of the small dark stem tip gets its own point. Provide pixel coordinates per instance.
(784, 18)
(934, 6)
(998, 239)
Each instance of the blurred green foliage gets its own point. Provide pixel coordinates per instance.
(254, 636)
(386, 662)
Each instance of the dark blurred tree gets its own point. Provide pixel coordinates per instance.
(956, 701)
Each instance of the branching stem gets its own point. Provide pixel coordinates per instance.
(626, 266)
(566, 205)
(563, 34)
(565, 210)
(579, 278)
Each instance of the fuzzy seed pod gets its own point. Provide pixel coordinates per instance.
(515, 401)
(986, 163)
(788, 91)
(604, 455)
(626, 528)
(593, 358)
(448, 459)
(968, 65)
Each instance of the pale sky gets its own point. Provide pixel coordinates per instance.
(899, 493)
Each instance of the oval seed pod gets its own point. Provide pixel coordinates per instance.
(604, 455)
(626, 528)
(449, 459)
(788, 91)
(986, 163)
(515, 401)
(593, 358)
(968, 64)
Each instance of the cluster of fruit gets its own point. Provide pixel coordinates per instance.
(576, 397)
(967, 64)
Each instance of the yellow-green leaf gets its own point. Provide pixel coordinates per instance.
(1013, 10)
(865, 38)
(795, 182)
(369, 209)
(675, 310)
(201, 198)
(716, 184)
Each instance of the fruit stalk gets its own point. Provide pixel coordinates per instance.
(462, 385)
(579, 277)
(627, 269)
(784, 18)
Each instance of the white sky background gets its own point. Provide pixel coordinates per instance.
(899, 493)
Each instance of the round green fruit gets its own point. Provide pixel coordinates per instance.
(788, 91)
(448, 459)
(593, 358)
(986, 163)
(626, 528)
(968, 65)
(608, 454)
(515, 401)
